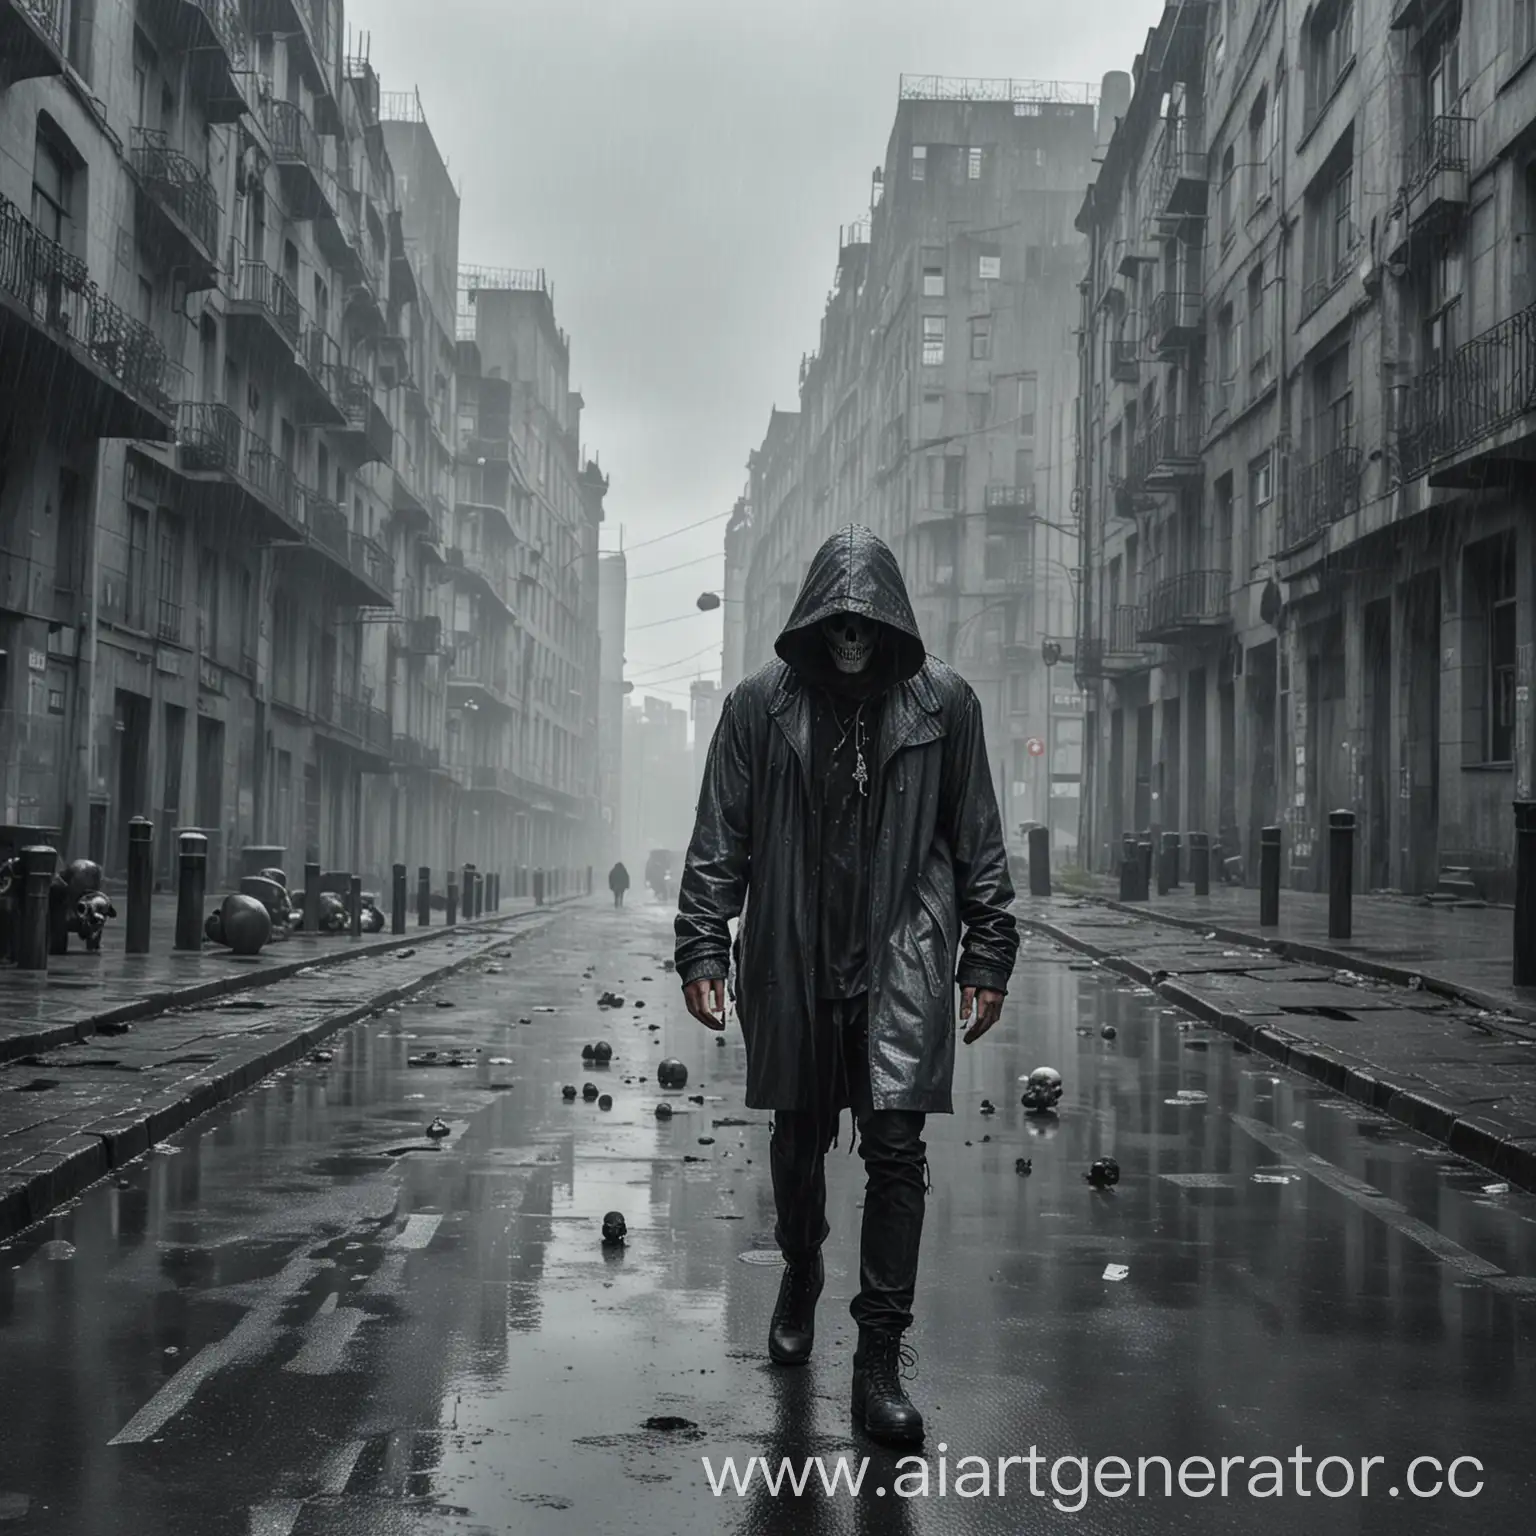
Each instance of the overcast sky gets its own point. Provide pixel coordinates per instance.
(680, 169)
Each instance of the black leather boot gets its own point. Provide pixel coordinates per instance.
(881, 1407)
(793, 1329)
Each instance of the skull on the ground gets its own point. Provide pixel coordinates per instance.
(91, 914)
(1043, 1089)
(850, 639)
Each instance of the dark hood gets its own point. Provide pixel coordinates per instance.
(853, 572)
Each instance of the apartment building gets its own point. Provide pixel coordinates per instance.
(733, 593)
(612, 606)
(1308, 426)
(231, 452)
(938, 409)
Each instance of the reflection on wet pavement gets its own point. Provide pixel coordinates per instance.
(307, 1316)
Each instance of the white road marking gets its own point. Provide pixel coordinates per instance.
(417, 1232)
(325, 1341)
(1396, 1216)
(337, 1468)
(250, 1338)
(275, 1518)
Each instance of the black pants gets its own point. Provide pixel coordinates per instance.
(895, 1167)
(618, 898)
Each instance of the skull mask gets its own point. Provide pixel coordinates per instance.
(850, 638)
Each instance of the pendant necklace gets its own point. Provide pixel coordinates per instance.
(860, 770)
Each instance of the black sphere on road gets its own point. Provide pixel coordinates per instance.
(672, 1073)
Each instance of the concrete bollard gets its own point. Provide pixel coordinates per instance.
(191, 891)
(424, 897)
(467, 892)
(1144, 866)
(538, 887)
(1525, 893)
(1167, 854)
(397, 900)
(1269, 877)
(141, 885)
(1129, 865)
(496, 891)
(311, 898)
(38, 864)
(355, 904)
(1039, 861)
(453, 898)
(1173, 842)
(1200, 862)
(1341, 872)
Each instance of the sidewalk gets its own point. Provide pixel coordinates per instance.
(81, 993)
(1459, 1066)
(1465, 953)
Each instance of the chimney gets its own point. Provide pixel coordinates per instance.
(1114, 102)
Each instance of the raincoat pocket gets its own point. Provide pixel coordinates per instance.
(934, 952)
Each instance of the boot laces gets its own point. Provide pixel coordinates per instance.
(892, 1360)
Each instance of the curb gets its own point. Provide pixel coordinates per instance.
(1316, 954)
(73, 1165)
(249, 981)
(1467, 1136)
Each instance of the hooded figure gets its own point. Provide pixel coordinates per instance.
(618, 883)
(847, 815)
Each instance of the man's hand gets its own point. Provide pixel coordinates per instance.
(988, 1007)
(706, 1001)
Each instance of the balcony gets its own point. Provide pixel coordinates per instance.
(1182, 175)
(365, 429)
(317, 399)
(1118, 651)
(1186, 607)
(1325, 490)
(499, 781)
(477, 572)
(420, 637)
(1166, 456)
(246, 482)
(306, 25)
(337, 231)
(479, 674)
(1471, 422)
(31, 39)
(1125, 362)
(1001, 500)
(356, 723)
(1176, 49)
(264, 305)
(1176, 320)
(1131, 255)
(408, 498)
(409, 752)
(178, 208)
(300, 164)
(69, 349)
(353, 570)
(1437, 178)
(213, 37)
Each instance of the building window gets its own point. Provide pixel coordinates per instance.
(1331, 243)
(919, 162)
(138, 566)
(168, 578)
(53, 188)
(1029, 398)
(1330, 51)
(1261, 484)
(973, 164)
(933, 340)
(933, 282)
(1333, 404)
(82, 31)
(1259, 356)
(1441, 53)
(1261, 166)
(1228, 196)
(981, 338)
(990, 268)
(1440, 281)
(1226, 357)
(1522, 35)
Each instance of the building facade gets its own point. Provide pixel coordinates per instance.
(1307, 436)
(229, 447)
(612, 605)
(938, 409)
(659, 798)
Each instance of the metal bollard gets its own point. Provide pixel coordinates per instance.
(1269, 877)
(141, 884)
(1200, 862)
(1165, 863)
(1144, 866)
(1174, 843)
(397, 906)
(424, 897)
(1039, 861)
(467, 892)
(1129, 884)
(453, 898)
(37, 869)
(191, 889)
(1341, 872)
(1525, 893)
(496, 891)
(538, 887)
(355, 904)
(311, 898)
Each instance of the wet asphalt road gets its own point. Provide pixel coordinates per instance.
(285, 1322)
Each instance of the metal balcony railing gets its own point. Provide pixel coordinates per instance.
(178, 186)
(1176, 317)
(1444, 145)
(225, 24)
(1187, 600)
(1487, 386)
(370, 560)
(271, 478)
(49, 16)
(1167, 447)
(210, 436)
(1325, 490)
(1182, 170)
(270, 292)
(1117, 648)
(54, 287)
(294, 140)
(168, 620)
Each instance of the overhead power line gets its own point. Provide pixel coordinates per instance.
(703, 522)
(682, 565)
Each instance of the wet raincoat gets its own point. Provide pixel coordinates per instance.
(940, 888)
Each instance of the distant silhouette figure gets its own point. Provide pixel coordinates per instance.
(618, 883)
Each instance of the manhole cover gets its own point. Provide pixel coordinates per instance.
(761, 1256)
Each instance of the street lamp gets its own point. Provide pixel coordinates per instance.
(709, 601)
